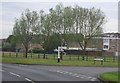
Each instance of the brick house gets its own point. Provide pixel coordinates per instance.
(111, 43)
(108, 42)
(31, 46)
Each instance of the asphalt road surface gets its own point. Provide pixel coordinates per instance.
(32, 73)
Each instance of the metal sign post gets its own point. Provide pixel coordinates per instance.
(58, 54)
(60, 49)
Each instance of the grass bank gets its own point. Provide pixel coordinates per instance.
(54, 62)
(71, 60)
(110, 77)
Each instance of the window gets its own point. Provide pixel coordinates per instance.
(105, 41)
(105, 46)
(113, 46)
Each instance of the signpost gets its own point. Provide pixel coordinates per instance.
(60, 48)
(58, 54)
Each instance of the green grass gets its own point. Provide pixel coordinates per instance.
(52, 60)
(110, 76)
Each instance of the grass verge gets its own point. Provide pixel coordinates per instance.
(72, 60)
(110, 77)
(54, 62)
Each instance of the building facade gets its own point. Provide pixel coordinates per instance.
(111, 43)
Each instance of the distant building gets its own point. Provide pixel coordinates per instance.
(2, 41)
(111, 43)
(31, 46)
(0, 44)
(108, 42)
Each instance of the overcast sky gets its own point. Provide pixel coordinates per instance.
(12, 10)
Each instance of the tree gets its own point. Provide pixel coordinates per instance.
(39, 31)
(43, 30)
(47, 32)
(69, 23)
(52, 26)
(52, 42)
(12, 43)
(88, 24)
(22, 30)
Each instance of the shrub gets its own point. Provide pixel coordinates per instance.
(37, 50)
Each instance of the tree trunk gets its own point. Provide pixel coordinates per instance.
(38, 55)
(54, 56)
(31, 53)
(26, 52)
(78, 57)
(69, 57)
(2, 53)
(10, 54)
(83, 57)
(86, 57)
(44, 55)
(84, 53)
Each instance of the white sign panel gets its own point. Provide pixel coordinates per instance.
(105, 44)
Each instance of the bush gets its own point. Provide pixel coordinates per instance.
(37, 50)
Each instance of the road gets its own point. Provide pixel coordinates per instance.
(32, 73)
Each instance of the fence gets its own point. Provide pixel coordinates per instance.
(54, 56)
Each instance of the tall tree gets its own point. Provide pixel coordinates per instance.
(88, 24)
(39, 30)
(22, 30)
(68, 23)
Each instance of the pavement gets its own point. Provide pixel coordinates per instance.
(33, 73)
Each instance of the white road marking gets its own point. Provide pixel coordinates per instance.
(52, 70)
(65, 72)
(2, 70)
(93, 79)
(70, 73)
(29, 80)
(14, 74)
(78, 76)
(23, 65)
(85, 76)
(58, 71)
(89, 77)
(82, 77)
